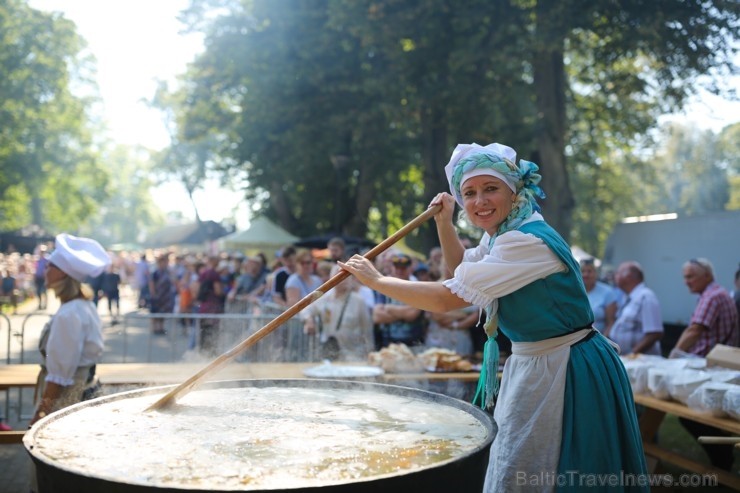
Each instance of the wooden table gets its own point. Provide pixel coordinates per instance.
(651, 419)
(24, 375)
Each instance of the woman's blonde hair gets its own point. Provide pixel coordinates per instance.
(67, 289)
(303, 256)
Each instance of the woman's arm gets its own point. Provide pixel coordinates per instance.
(428, 296)
(452, 249)
(52, 391)
(516, 260)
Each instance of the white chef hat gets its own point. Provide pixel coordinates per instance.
(79, 258)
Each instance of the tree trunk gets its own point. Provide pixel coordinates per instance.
(280, 204)
(364, 195)
(434, 156)
(550, 87)
(37, 215)
(195, 207)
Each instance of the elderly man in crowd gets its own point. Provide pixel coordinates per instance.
(639, 324)
(715, 318)
(714, 321)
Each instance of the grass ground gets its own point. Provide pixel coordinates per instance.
(674, 437)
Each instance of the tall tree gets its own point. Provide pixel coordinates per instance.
(673, 40)
(47, 155)
(129, 213)
(694, 171)
(387, 87)
(451, 65)
(296, 97)
(192, 156)
(729, 147)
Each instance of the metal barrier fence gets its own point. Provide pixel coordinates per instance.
(207, 335)
(133, 339)
(6, 342)
(6, 339)
(25, 396)
(35, 356)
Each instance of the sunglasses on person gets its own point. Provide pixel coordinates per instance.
(400, 261)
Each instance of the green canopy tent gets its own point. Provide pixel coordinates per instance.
(262, 236)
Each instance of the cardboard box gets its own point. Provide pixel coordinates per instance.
(725, 356)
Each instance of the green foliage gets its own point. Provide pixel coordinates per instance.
(45, 139)
(384, 89)
(728, 149)
(341, 114)
(692, 171)
(15, 207)
(734, 203)
(128, 213)
(337, 109)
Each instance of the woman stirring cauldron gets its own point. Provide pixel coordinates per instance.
(565, 411)
(72, 342)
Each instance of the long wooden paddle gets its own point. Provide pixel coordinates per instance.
(185, 387)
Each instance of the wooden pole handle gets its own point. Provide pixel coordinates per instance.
(185, 387)
(719, 440)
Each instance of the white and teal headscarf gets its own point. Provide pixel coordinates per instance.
(469, 160)
(498, 160)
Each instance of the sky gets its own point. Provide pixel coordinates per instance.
(137, 42)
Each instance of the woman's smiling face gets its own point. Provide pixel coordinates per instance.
(487, 201)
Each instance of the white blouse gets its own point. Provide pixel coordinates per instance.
(515, 260)
(75, 339)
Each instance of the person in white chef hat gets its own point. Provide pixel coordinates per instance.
(72, 341)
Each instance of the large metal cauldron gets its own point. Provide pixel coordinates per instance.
(462, 474)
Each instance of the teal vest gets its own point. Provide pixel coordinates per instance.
(549, 307)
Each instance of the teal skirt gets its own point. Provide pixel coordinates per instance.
(601, 448)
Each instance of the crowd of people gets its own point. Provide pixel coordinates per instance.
(628, 311)
(625, 309)
(23, 277)
(228, 283)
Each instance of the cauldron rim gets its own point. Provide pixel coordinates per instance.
(483, 418)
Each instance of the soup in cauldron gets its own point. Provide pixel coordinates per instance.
(258, 437)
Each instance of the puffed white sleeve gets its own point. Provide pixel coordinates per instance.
(479, 252)
(64, 348)
(515, 260)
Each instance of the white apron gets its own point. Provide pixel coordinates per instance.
(529, 415)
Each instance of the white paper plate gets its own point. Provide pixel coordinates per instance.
(341, 371)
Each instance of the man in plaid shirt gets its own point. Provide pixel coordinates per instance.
(715, 321)
(715, 318)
